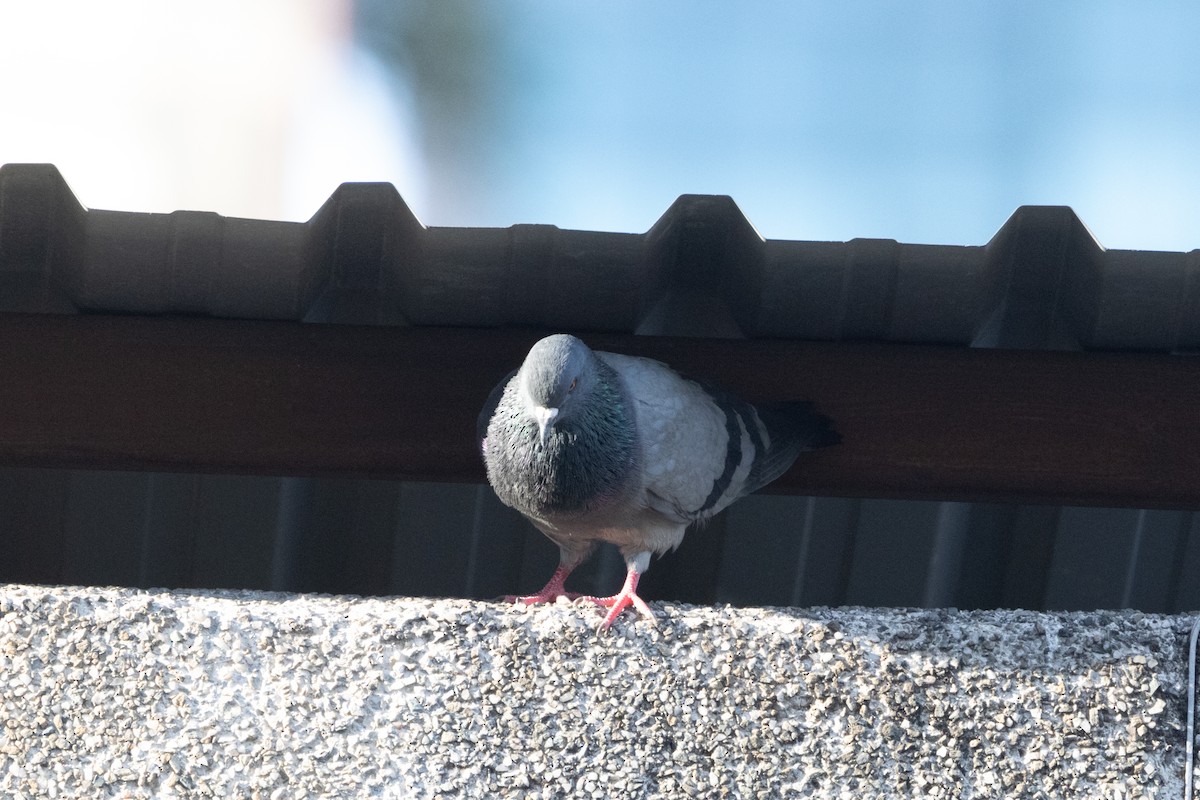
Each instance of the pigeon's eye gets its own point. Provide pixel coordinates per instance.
(574, 381)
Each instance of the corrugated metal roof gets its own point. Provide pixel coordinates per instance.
(701, 269)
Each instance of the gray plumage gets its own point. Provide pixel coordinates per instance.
(594, 446)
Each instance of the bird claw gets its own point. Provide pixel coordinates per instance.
(620, 601)
(541, 597)
(549, 593)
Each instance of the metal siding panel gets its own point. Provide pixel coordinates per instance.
(432, 544)
(825, 569)
(765, 537)
(348, 549)
(1186, 575)
(205, 531)
(786, 551)
(167, 537)
(1090, 566)
(1028, 562)
(496, 549)
(985, 557)
(892, 553)
(952, 528)
(33, 506)
(293, 520)
(106, 515)
(235, 529)
(1152, 575)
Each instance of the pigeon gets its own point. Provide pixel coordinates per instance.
(597, 447)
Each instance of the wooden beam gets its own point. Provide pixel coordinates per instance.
(204, 395)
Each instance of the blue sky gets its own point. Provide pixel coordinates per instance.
(923, 122)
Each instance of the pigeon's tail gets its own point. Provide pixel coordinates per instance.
(798, 421)
(793, 427)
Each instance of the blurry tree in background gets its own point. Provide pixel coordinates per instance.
(449, 55)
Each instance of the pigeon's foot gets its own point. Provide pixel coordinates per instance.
(622, 600)
(544, 596)
(549, 593)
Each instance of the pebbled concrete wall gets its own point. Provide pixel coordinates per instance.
(127, 693)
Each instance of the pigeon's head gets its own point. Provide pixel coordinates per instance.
(555, 380)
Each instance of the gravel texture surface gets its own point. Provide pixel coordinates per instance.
(125, 693)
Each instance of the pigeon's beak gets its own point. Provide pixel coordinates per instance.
(545, 421)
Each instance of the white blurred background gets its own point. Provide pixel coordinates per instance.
(923, 122)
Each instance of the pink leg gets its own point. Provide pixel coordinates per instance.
(625, 598)
(550, 592)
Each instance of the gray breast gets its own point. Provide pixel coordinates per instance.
(588, 461)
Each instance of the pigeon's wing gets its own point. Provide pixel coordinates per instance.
(702, 448)
(793, 428)
(489, 409)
